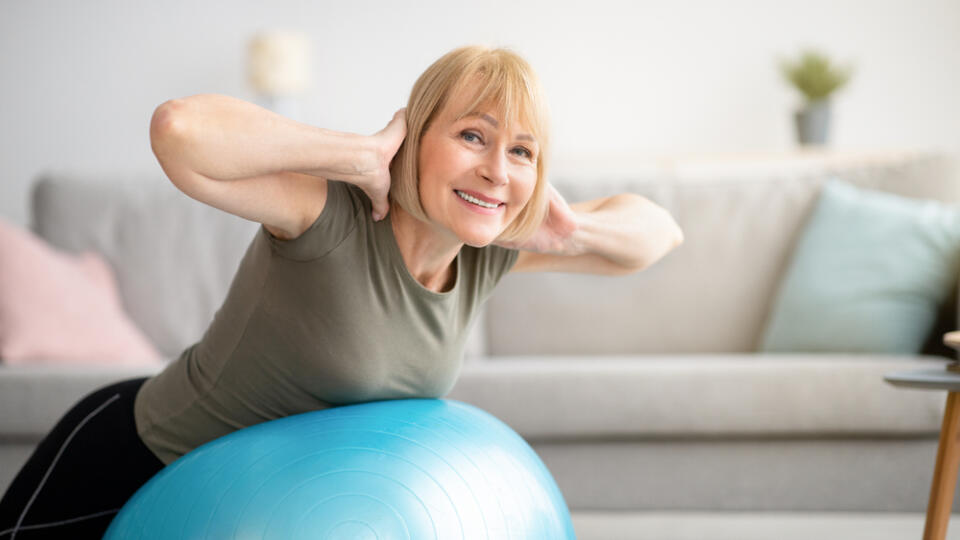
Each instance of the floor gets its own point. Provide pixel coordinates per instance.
(754, 526)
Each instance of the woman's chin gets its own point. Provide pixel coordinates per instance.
(479, 239)
(479, 244)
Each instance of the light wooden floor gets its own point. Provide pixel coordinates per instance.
(754, 526)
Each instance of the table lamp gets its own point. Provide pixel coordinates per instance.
(278, 69)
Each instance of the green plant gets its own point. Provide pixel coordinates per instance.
(813, 75)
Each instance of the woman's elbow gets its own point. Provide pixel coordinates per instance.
(168, 118)
(672, 240)
(677, 237)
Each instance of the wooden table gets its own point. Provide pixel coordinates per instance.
(948, 452)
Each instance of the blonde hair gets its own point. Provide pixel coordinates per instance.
(498, 76)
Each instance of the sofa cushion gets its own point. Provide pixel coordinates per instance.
(726, 395)
(174, 256)
(869, 274)
(35, 397)
(598, 397)
(58, 308)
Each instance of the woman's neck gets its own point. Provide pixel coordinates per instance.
(427, 250)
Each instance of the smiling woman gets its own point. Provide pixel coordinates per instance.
(477, 118)
(375, 255)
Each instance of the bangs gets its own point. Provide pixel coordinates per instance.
(502, 87)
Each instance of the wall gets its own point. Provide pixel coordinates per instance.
(624, 79)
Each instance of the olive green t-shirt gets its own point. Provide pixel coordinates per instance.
(329, 318)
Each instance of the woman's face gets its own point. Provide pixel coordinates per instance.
(477, 156)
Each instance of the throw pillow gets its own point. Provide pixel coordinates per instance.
(58, 308)
(867, 275)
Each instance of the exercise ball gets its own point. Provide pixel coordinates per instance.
(412, 468)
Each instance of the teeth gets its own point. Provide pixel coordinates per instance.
(475, 200)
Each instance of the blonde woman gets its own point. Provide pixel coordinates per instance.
(374, 255)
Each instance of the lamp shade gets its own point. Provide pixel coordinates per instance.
(279, 63)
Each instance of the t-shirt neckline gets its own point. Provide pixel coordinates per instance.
(407, 276)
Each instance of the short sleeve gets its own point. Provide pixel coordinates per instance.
(335, 222)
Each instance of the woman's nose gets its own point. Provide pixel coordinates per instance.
(494, 168)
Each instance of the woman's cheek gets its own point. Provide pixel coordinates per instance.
(529, 187)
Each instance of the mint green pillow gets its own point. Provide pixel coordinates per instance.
(868, 274)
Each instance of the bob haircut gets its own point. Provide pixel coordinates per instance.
(497, 77)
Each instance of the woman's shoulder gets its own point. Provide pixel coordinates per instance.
(491, 262)
(339, 217)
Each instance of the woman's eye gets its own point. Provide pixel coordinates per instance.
(526, 153)
(523, 151)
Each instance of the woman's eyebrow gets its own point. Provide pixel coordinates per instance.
(493, 121)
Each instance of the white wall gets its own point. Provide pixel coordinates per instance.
(81, 79)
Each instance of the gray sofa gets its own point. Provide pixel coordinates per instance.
(643, 394)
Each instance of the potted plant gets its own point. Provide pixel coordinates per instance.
(816, 79)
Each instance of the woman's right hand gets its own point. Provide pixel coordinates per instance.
(386, 141)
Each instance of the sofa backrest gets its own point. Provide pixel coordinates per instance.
(740, 218)
(173, 257)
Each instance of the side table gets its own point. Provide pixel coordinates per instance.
(948, 452)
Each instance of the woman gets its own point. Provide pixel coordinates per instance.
(374, 255)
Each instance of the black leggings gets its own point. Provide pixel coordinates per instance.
(82, 472)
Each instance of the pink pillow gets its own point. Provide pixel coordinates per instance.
(59, 308)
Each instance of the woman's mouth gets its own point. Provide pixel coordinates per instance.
(477, 205)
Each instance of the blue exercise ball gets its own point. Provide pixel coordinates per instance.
(412, 468)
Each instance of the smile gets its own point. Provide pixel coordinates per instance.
(475, 200)
(477, 205)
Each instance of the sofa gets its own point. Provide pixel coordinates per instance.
(645, 395)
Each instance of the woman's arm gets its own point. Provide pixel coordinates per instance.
(259, 165)
(613, 235)
(225, 138)
(627, 230)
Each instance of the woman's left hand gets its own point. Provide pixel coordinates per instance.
(555, 234)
